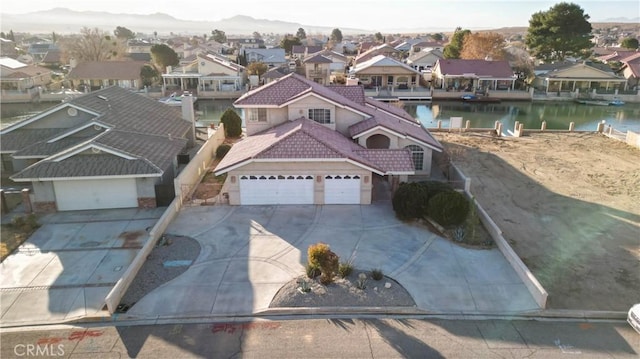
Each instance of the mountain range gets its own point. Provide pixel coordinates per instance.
(64, 21)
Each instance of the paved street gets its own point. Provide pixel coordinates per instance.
(334, 338)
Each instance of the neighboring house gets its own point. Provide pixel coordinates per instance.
(582, 77)
(8, 48)
(301, 51)
(139, 46)
(317, 68)
(39, 50)
(616, 56)
(339, 62)
(107, 149)
(246, 43)
(270, 57)
(18, 76)
(383, 49)
(345, 47)
(100, 74)
(631, 70)
(425, 60)
(472, 75)
(207, 73)
(406, 45)
(382, 71)
(311, 144)
(275, 73)
(425, 46)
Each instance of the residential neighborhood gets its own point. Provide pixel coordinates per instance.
(249, 180)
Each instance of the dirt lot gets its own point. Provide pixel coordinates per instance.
(570, 206)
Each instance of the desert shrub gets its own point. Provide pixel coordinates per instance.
(26, 223)
(312, 270)
(448, 208)
(344, 269)
(410, 201)
(322, 257)
(222, 150)
(376, 274)
(232, 123)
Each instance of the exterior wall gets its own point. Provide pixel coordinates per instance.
(275, 116)
(300, 109)
(321, 71)
(43, 192)
(146, 188)
(428, 154)
(206, 67)
(316, 169)
(346, 118)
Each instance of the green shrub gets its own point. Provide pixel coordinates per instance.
(410, 201)
(435, 187)
(322, 257)
(376, 274)
(312, 271)
(448, 208)
(222, 150)
(232, 123)
(344, 269)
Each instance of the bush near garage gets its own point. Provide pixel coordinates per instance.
(435, 187)
(449, 208)
(410, 201)
(320, 256)
(222, 150)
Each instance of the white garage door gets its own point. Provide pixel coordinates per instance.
(96, 194)
(273, 189)
(342, 189)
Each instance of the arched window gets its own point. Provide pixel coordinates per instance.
(378, 141)
(417, 155)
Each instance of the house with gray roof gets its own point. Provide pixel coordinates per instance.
(99, 74)
(312, 144)
(270, 57)
(110, 148)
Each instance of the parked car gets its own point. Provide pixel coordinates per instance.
(634, 317)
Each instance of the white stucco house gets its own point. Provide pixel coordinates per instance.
(312, 144)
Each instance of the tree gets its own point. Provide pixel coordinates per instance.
(54, 37)
(163, 56)
(336, 35)
(452, 51)
(257, 68)
(379, 37)
(122, 32)
(256, 35)
(488, 45)
(94, 45)
(149, 75)
(437, 37)
(219, 36)
(630, 43)
(288, 41)
(232, 123)
(561, 31)
(301, 34)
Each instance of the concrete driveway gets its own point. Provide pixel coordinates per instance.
(66, 268)
(249, 252)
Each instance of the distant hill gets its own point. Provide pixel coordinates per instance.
(63, 21)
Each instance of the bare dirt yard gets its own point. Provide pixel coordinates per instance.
(569, 204)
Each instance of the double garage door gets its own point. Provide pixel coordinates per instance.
(95, 194)
(298, 189)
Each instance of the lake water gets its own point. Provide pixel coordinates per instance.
(531, 114)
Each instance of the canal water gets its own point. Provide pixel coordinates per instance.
(558, 115)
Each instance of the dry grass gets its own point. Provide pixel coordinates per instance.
(15, 233)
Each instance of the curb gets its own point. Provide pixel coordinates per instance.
(332, 312)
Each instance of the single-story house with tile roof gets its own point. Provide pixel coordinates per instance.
(470, 75)
(631, 70)
(424, 60)
(107, 149)
(18, 76)
(584, 77)
(300, 51)
(383, 71)
(270, 57)
(99, 74)
(383, 49)
(312, 144)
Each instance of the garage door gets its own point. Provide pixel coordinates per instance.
(96, 194)
(342, 189)
(273, 189)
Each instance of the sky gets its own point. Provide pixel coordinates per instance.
(361, 14)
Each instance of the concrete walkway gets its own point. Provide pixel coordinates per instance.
(66, 268)
(250, 252)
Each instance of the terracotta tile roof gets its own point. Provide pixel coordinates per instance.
(483, 68)
(306, 139)
(413, 131)
(389, 108)
(391, 161)
(618, 55)
(107, 70)
(353, 93)
(382, 49)
(634, 67)
(317, 59)
(635, 57)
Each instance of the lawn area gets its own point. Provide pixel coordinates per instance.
(15, 233)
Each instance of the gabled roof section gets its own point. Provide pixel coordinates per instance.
(317, 59)
(480, 68)
(353, 93)
(391, 161)
(107, 70)
(412, 131)
(301, 139)
(222, 61)
(381, 60)
(597, 71)
(389, 108)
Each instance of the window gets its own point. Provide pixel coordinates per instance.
(320, 115)
(417, 155)
(258, 114)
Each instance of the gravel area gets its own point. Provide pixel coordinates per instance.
(171, 257)
(343, 293)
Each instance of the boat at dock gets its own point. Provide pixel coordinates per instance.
(176, 100)
(474, 98)
(614, 102)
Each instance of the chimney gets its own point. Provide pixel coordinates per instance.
(188, 115)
